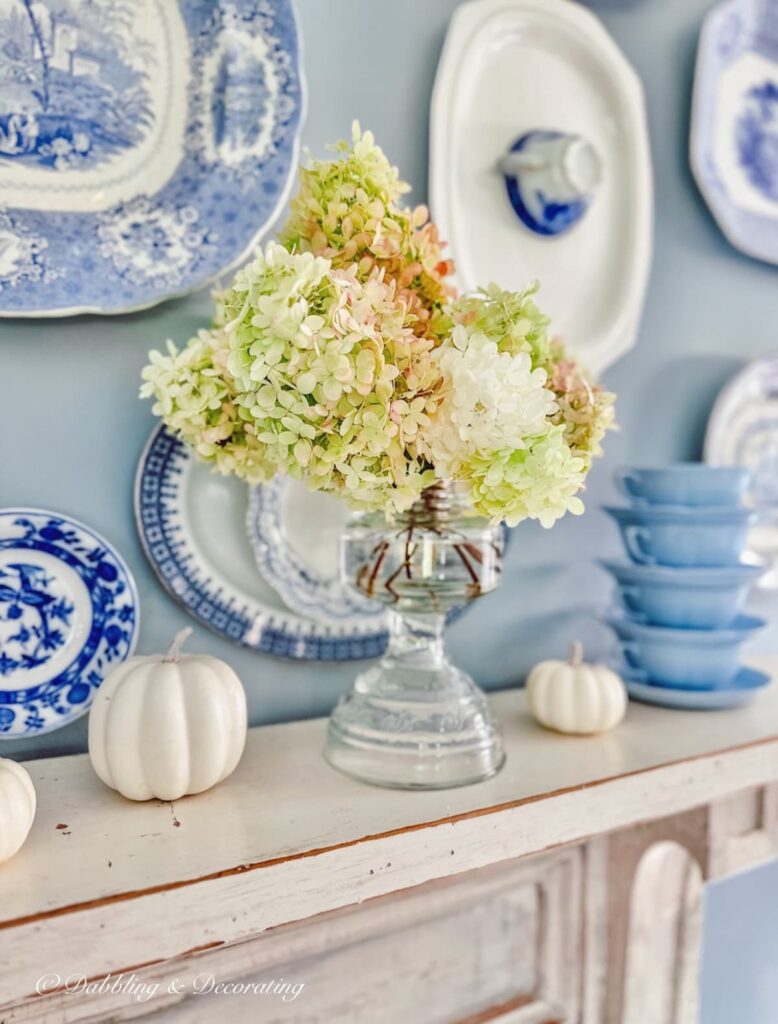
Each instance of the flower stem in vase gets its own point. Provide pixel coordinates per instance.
(415, 720)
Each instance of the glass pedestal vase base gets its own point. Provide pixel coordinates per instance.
(429, 728)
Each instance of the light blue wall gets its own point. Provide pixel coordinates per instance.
(73, 428)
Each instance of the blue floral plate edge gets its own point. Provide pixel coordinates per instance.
(134, 596)
(755, 235)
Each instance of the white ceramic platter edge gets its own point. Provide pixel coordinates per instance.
(560, 42)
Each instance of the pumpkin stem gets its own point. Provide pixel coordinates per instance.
(174, 653)
(576, 652)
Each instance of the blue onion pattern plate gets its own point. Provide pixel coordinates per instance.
(734, 135)
(68, 615)
(145, 145)
(192, 524)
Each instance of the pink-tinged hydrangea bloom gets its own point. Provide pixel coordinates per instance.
(341, 359)
(348, 211)
(316, 373)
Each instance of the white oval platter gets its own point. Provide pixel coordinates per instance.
(511, 66)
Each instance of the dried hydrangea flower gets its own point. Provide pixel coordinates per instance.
(318, 373)
(519, 420)
(348, 211)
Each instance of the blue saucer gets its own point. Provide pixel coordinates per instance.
(741, 690)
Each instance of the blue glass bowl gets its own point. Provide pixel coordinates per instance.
(659, 595)
(685, 483)
(662, 535)
(692, 659)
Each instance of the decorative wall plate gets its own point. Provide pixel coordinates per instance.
(68, 614)
(145, 145)
(734, 135)
(743, 431)
(742, 690)
(514, 66)
(295, 534)
(192, 524)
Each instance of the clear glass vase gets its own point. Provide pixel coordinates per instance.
(414, 720)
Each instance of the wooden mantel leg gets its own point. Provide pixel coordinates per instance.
(655, 886)
(663, 940)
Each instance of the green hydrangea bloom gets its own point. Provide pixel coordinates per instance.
(315, 373)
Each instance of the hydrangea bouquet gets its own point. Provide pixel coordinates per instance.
(342, 356)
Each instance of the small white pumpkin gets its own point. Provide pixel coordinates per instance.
(17, 807)
(573, 697)
(167, 727)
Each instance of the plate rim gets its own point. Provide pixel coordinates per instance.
(302, 646)
(735, 232)
(725, 399)
(132, 587)
(249, 249)
(287, 593)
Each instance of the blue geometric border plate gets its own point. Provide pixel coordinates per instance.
(145, 146)
(734, 131)
(192, 526)
(68, 615)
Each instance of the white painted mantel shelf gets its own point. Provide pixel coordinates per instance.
(566, 888)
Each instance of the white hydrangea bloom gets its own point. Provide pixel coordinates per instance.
(494, 401)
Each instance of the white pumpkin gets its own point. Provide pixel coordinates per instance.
(573, 697)
(167, 727)
(17, 807)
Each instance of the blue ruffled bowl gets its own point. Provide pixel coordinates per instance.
(677, 536)
(708, 598)
(685, 483)
(692, 659)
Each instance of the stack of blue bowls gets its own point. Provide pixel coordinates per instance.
(679, 597)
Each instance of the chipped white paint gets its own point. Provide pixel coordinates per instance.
(121, 885)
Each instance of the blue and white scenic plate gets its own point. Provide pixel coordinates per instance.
(734, 134)
(192, 524)
(295, 534)
(145, 145)
(741, 690)
(68, 615)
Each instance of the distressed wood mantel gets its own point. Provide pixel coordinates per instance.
(567, 888)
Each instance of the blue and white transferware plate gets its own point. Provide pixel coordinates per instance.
(743, 688)
(295, 534)
(145, 145)
(192, 524)
(743, 431)
(734, 137)
(68, 615)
